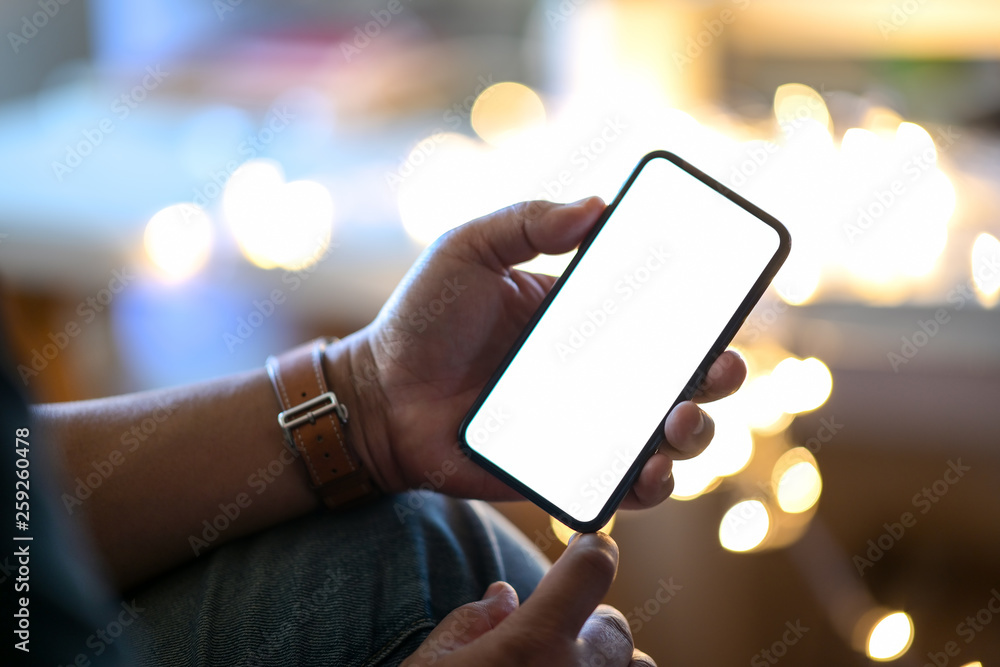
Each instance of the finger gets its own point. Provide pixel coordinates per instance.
(523, 231)
(723, 378)
(571, 590)
(543, 279)
(688, 429)
(654, 484)
(469, 622)
(640, 659)
(606, 635)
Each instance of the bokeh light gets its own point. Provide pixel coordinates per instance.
(764, 411)
(692, 479)
(506, 111)
(985, 263)
(439, 186)
(278, 224)
(744, 526)
(801, 385)
(890, 637)
(797, 281)
(178, 240)
(796, 481)
(732, 449)
(796, 103)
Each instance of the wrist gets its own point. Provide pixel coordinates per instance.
(352, 375)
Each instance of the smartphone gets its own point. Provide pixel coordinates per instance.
(653, 295)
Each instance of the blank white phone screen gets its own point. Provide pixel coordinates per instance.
(622, 338)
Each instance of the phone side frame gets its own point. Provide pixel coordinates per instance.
(717, 348)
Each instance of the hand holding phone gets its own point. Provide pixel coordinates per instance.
(411, 375)
(654, 294)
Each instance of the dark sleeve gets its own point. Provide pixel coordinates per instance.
(70, 614)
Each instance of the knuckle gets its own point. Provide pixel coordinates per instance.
(531, 210)
(615, 625)
(640, 659)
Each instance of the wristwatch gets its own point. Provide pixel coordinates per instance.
(315, 426)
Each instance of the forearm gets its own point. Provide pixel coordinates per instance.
(148, 472)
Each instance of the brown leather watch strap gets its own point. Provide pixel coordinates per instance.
(315, 425)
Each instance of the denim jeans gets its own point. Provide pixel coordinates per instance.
(360, 587)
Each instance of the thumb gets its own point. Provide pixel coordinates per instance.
(523, 231)
(469, 622)
(570, 591)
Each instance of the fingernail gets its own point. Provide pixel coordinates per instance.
(587, 202)
(701, 423)
(573, 537)
(666, 476)
(494, 590)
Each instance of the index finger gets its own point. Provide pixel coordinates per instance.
(570, 591)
